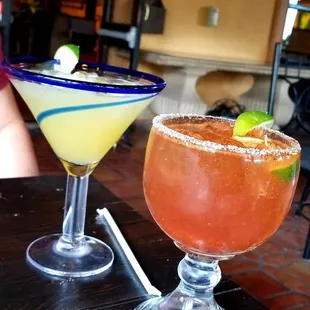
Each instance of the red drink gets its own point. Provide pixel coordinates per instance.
(209, 192)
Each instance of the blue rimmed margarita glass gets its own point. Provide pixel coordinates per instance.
(82, 116)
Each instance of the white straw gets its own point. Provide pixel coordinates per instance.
(129, 254)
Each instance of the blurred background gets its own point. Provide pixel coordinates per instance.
(219, 54)
(219, 57)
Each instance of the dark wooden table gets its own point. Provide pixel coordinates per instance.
(31, 208)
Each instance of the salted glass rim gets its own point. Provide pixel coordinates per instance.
(158, 123)
(9, 67)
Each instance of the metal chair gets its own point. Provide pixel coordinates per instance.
(298, 62)
(304, 202)
(118, 35)
(125, 36)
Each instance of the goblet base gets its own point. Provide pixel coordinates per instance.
(176, 300)
(93, 257)
(198, 277)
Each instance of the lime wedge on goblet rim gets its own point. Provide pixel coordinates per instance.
(248, 121)
(288, 173)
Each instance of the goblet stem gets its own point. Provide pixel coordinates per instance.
(72, 242)
(199, 276)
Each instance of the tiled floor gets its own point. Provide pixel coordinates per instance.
(275, 273)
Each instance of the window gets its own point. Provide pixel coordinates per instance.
(290, 20)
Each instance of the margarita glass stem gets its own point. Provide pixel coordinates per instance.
(72, 241)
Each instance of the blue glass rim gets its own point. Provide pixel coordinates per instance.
(158, 84)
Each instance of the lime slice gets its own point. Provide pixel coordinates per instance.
(68, 55)
(247, 121)
(287, 173)
(249, 141)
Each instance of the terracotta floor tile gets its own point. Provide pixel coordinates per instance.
(125, 166)
(300, 270)
(268, 248)
(252, 256)
(138, 156)
(259, 284)
(104, 173)
(296, 241)
(279, 259)
(304, 308)
(237, 267)
(286, 301)
(293, 283)
(126, 189)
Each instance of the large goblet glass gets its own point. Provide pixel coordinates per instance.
(214, 197)
(82, 115)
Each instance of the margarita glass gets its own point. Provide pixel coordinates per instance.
(82, 115)
(214, 197)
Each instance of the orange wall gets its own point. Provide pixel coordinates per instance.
(242, 33)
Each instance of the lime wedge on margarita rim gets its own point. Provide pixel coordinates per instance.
(248, 121)
(68, 55)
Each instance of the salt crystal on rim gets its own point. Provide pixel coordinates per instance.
(158, 123)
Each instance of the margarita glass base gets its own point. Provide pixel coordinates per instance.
(50, 254)
(199, 275)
